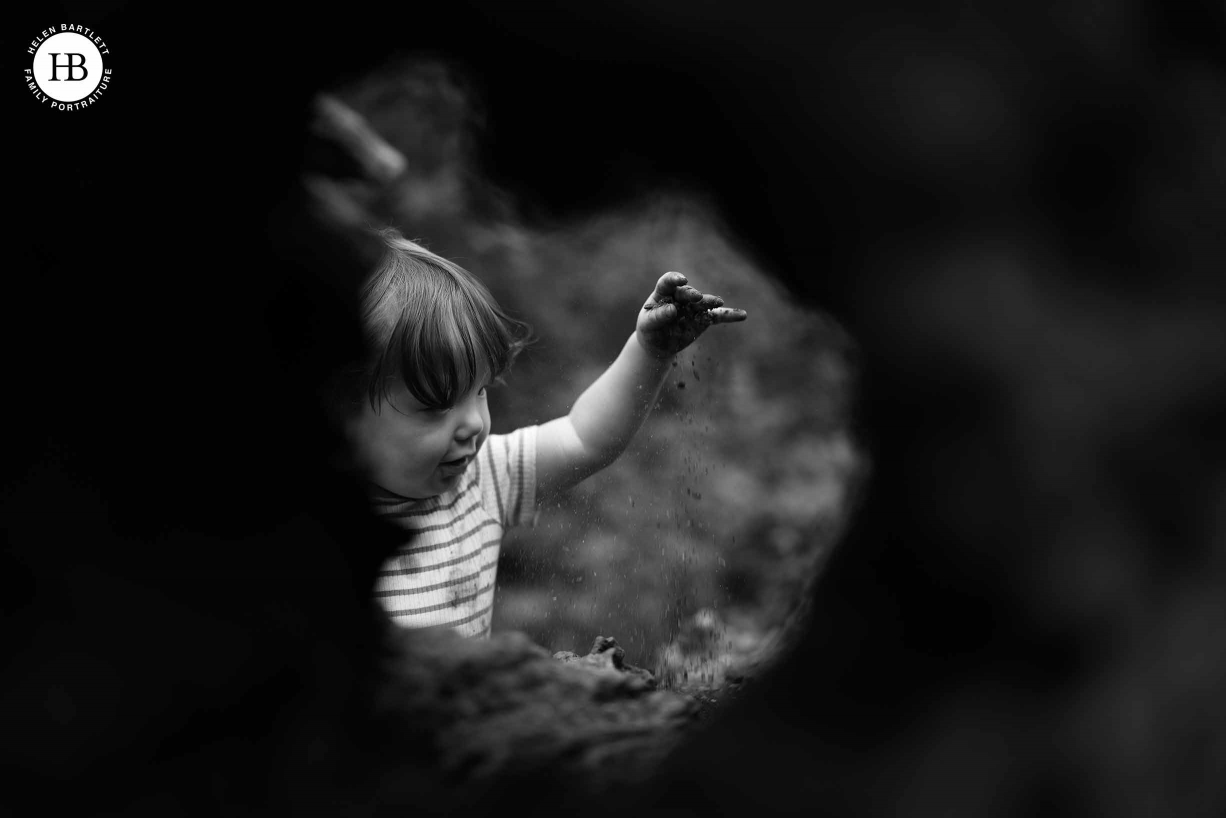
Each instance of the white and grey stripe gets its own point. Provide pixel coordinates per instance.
(443, 575)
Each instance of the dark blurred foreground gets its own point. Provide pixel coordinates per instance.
(1017, 217)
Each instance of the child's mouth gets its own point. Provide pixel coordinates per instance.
(459, 464)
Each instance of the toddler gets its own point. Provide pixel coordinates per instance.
(419, 424)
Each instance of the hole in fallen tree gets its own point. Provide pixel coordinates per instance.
(695, 548)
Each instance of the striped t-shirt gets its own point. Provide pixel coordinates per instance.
(444, 574)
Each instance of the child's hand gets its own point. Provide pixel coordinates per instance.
(676, 314)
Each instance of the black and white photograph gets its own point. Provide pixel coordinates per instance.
(712, 408)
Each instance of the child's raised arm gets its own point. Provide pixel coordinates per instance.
(609, 412)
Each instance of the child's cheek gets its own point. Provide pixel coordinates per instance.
(485, 428)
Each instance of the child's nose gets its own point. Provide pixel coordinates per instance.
(471, 422)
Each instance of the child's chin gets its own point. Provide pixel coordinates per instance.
(443, 482)
(451, 480)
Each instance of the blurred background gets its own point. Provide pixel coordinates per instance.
(693, 548)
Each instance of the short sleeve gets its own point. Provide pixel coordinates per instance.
(508, 475)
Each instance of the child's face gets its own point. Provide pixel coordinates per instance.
(418, 452)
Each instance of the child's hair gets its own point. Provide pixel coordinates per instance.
(432, 323)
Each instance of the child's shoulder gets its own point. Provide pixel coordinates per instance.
(506, 471)
(511, 444)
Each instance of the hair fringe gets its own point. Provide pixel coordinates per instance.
(433, 324)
